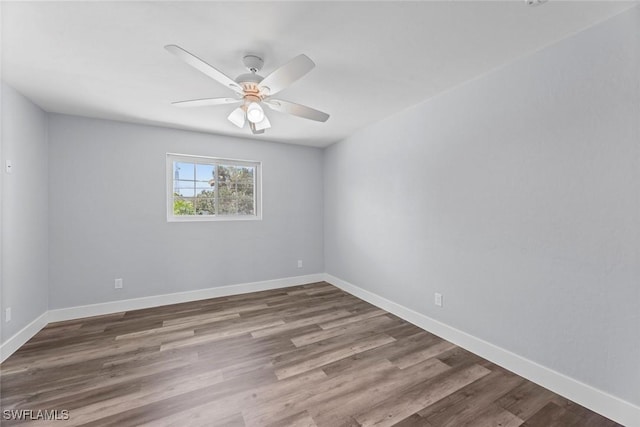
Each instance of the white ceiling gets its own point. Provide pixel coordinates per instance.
(106, 59)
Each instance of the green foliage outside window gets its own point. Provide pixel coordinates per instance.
(182, 207)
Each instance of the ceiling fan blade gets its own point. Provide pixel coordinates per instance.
(255, 130)
(264, 124)
(287, 74)
(207, 102)
(297, 110)
(202, 66)
(237, 117)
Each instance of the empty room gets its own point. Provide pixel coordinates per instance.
(320, 213)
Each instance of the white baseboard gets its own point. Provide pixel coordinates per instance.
(619, 410)
(79, 312)
(22, 336)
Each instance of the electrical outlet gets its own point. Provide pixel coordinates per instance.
(299, 263)
(438, 299)
(118, 284)
(8, 166)
(7, 314)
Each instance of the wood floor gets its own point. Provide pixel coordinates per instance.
(305, 356)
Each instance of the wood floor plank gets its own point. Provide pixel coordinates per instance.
(207, 338)
(459, 356)
(296, 324)
(397, 408)
(192, 324)
(494, 415)
(333, 389)
(466, 404)
(414, 420)
(525, 400)
(323, 334)
(311, 350)
(304, 356)
(199, 416)
(393, 383)
(206, 317)
(552, 415)
(589, 418)
(333, 355)
(301, 419)
(421, 355)
(346, 320)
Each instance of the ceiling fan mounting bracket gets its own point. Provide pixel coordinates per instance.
(253, 62)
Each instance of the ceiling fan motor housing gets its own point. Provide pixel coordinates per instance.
(253, 62)
(249, 78)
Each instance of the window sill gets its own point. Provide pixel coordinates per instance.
(208, 218)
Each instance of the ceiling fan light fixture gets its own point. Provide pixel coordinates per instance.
(255, 113)
(237, 117)
(264, 124)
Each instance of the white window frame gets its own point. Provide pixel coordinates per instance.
(191, 158)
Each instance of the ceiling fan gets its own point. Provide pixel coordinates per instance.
(252, 90)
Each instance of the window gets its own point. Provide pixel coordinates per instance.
(207, 189)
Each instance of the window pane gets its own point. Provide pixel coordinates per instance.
(182, 170)
(223, 173)
(205, 206)
(245, 189)
(183, 206)
(205, 173)
(236, 204)
(206, 193)
(240, 174)
(203, 185)
(186, 191)
(245, 204)
(227, 206)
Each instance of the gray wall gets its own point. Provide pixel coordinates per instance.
(517, 196)
(24, 212)
(107, 214)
